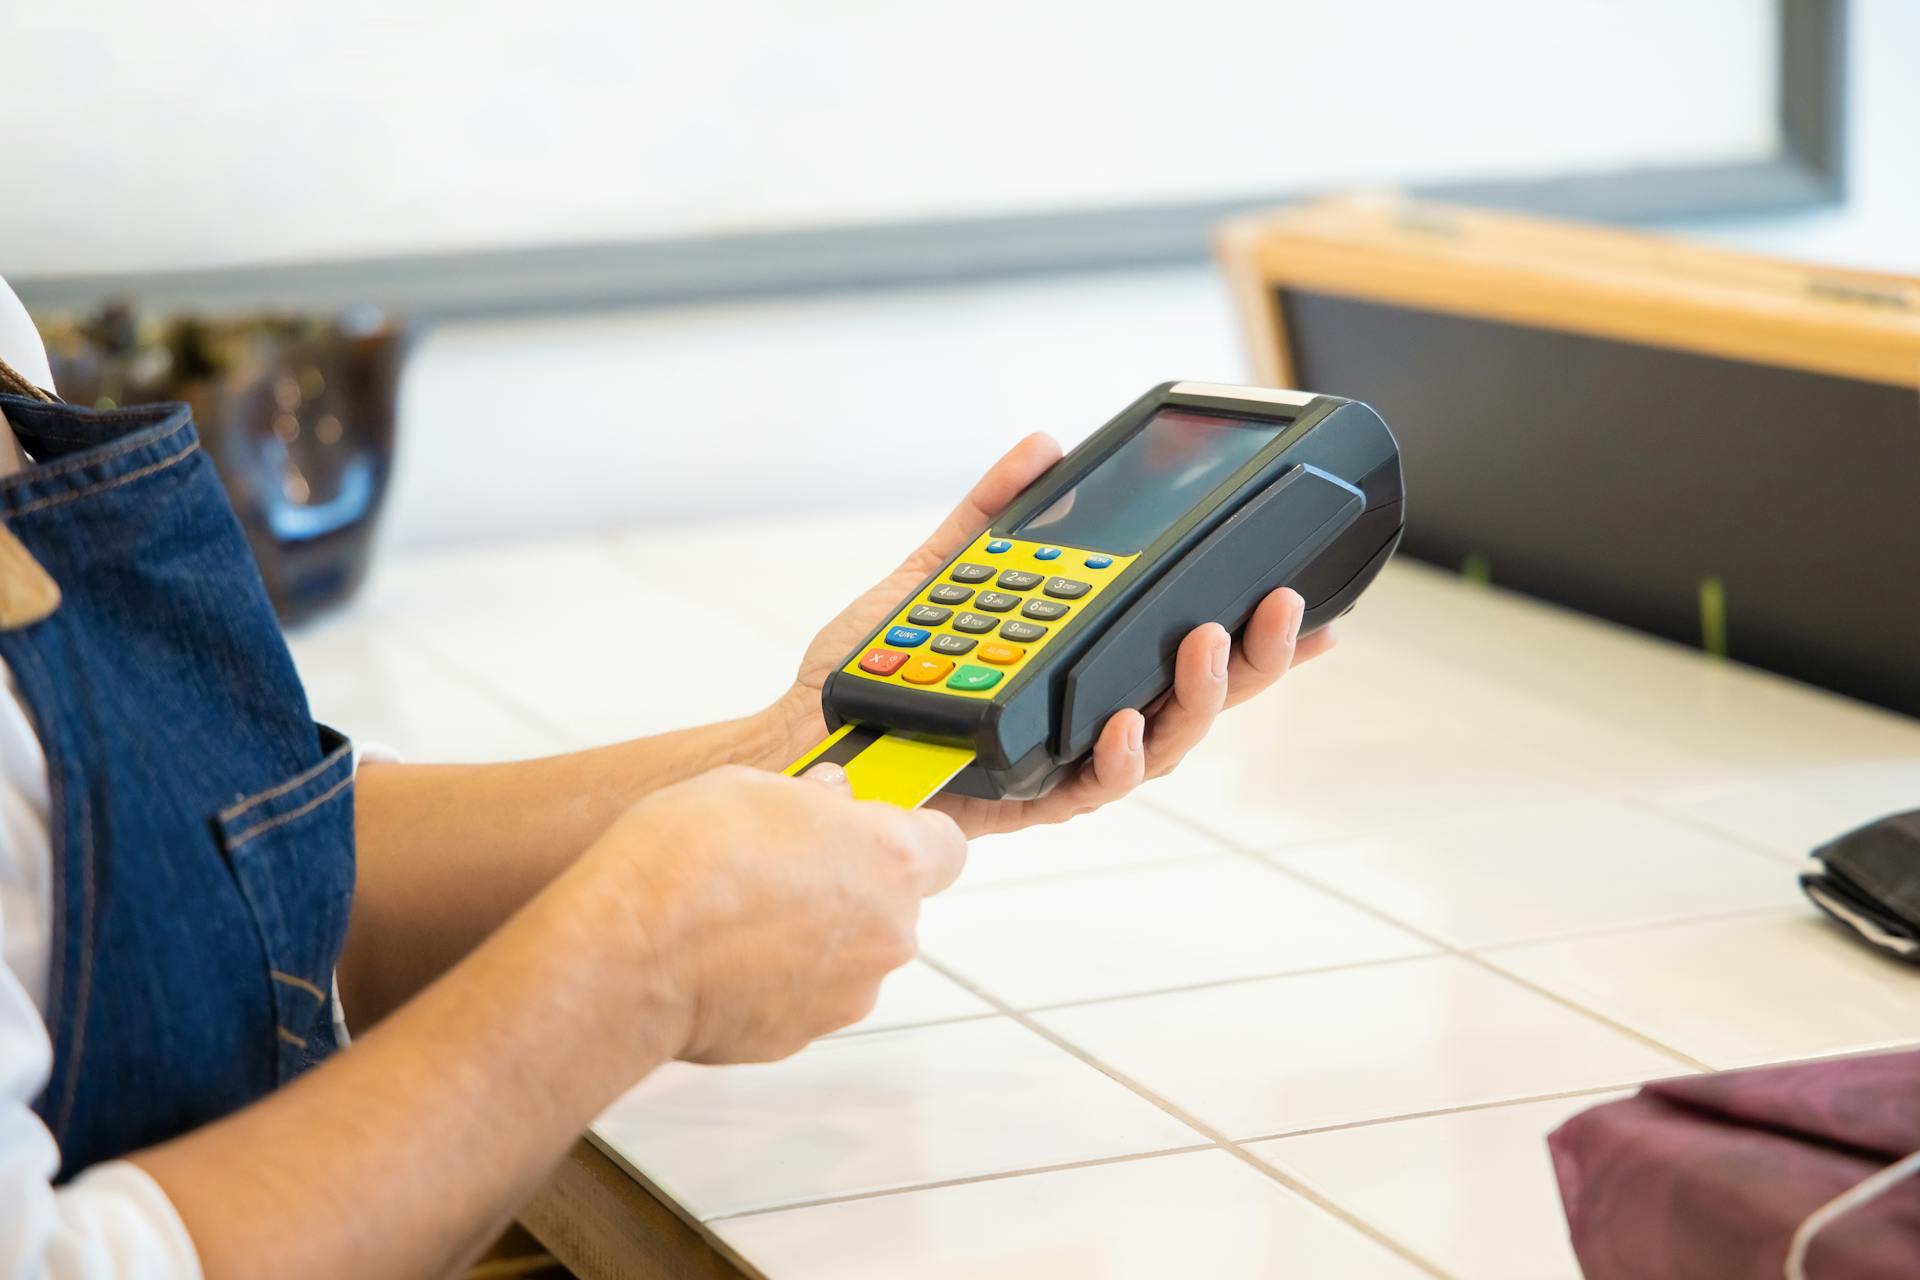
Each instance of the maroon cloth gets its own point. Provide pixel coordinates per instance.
(1707, 1177)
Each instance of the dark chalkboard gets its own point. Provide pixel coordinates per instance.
(1616, 478)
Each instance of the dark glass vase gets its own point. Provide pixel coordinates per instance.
(297, 413)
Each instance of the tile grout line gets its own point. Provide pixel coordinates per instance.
(1001, 1175)
(1232, 1146)
(1002, 1008)
(1589, 783)
(1777, 857)
(1650, 926)
(1567, 1002)
(1624, 799)
(1217, 1138)
(1621, 793)
(854, 1033)
(1210, 984)
(1705, 916)
(406, 624)
(1594, 783)
(551, 737)
(1471, 958)
(1465, 1108)
(1076, 873)
(491, 691)
(1273, 859)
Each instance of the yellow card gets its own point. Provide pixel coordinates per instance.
(884, 766)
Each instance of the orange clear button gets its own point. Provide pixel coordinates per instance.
(1001, 655)
(926, 671)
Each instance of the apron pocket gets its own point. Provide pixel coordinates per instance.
(291, 850)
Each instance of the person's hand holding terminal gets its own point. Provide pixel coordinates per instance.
(1210, 673)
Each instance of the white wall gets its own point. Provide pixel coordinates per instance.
(710, 412)
(613, 420)
(1879, 226)
(208, 131)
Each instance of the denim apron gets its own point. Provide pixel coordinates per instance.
(202, 823)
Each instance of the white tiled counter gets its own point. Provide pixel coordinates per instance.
(1306, 1008)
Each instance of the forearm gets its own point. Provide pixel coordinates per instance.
(414, 1146)
(447, 852)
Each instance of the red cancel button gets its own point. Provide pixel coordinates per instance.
(882, 662)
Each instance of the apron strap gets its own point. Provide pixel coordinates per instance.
(28, 592)
(11, 380)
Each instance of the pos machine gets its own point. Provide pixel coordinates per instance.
(994, 676)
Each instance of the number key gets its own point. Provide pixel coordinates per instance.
(1067, 588)
(996, 601)
(964, 572)
(975, 623)
(1018, 580)
(946, 593)
(1041, 611)
(952, 646)
(926, 615)
(1024, 632)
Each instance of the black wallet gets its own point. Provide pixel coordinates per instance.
(1869, 880)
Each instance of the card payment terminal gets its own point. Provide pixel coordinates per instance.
(996, 674)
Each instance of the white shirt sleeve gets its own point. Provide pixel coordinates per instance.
(363, 753)
(20, 344)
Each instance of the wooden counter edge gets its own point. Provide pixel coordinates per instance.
(602, 1223)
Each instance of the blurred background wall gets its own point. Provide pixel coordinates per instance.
(174, 144)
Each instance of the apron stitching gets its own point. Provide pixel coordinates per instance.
(52, 469)
(300, 983)
(291, 1038)
(233, 811)
(291, 814)
(83, 989)
(61, 499)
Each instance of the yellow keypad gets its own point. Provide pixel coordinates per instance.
(999, 602)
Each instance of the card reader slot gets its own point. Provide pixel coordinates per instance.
(1282, 530)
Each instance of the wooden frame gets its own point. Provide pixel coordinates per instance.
(1710, 446)
(1597, 281)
